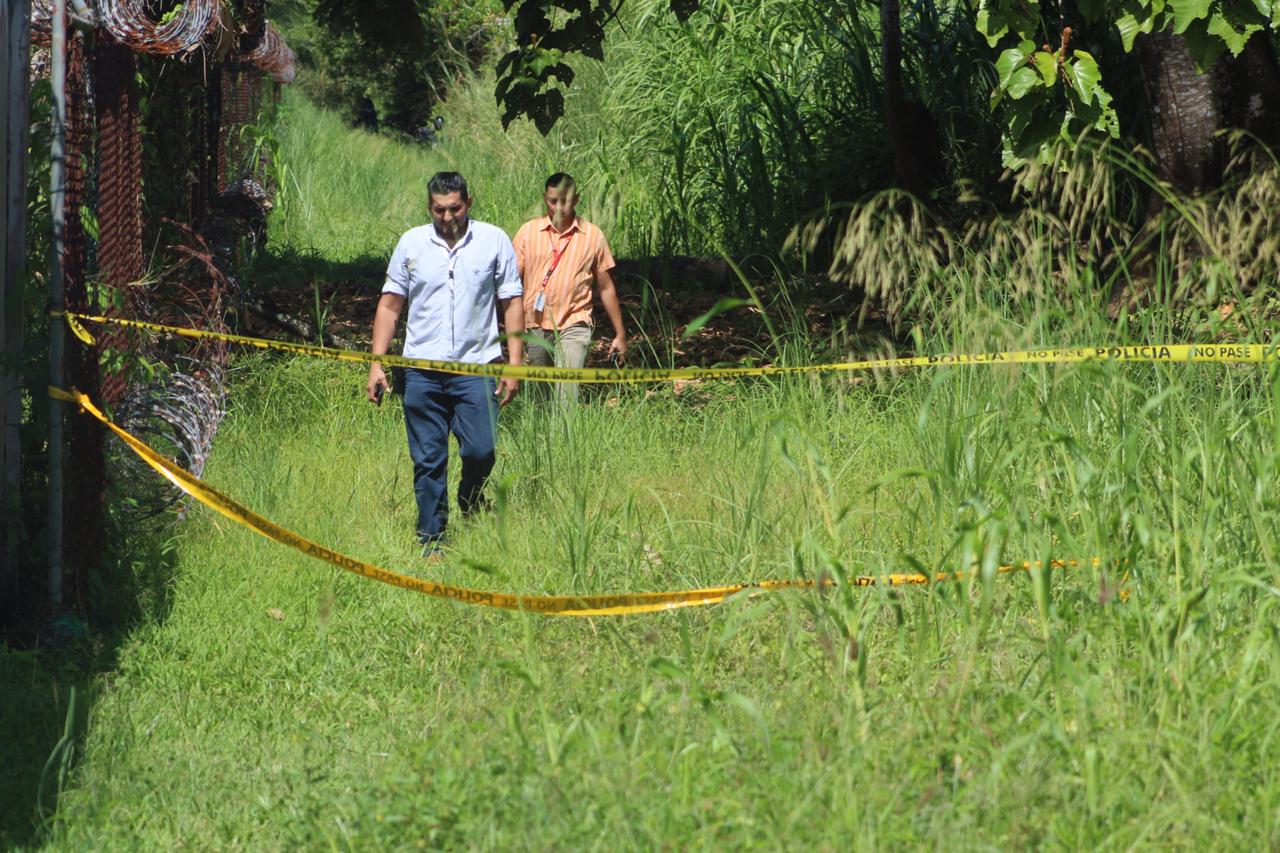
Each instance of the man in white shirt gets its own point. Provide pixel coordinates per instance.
(453, 274)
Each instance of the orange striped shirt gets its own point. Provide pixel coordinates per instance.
(583, 252)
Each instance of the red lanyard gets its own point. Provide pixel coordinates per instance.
(555, 258)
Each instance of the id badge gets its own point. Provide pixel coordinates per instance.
(539, 302)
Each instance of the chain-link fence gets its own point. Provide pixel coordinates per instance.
(167, 183)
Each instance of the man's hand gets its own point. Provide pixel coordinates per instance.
(513, 321)
(377, 384)
(506, 389)
(384, 325)
(609, 299)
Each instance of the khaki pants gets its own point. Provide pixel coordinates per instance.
(568, 347)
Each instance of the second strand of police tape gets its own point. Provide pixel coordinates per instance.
(561, 605)
(1173, 353)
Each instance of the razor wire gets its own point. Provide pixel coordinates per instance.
(273, 57)
(180, 412)
(173, 394)
(128, 23)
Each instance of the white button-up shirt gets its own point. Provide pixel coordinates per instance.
(452, 294)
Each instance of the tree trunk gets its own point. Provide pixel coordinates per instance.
(1254, 94)
(1186, 108)
(913, 135)
(904, 170)
(15, 24)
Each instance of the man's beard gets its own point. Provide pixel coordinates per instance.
(454, 230)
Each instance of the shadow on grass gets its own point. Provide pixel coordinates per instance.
(287, 268)
(302, 295)
(52, 668)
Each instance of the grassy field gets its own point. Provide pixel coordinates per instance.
(273, 702)
(1034, 709)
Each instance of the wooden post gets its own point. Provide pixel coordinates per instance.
(15, 15)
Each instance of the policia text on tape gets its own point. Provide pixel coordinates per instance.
(560, 605)
(1215, 353)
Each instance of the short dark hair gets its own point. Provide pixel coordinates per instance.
(560, 181)
(443, 183)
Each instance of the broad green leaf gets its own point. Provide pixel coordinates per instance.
(540, 60)
(1038, 134)
(1130, 27)
(1234, 27)
(1205, 48)
(1007, 158)
(1022, 82)
(1084, 75)
(1047, 65)
(1096, 114)
(1011, 60)
(1020, 116)
(1186, 11)
(997, 18)
(984, 25)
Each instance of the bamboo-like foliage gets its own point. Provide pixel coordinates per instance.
(1068, 222)
(756, 113)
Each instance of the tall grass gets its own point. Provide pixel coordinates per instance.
(351, 194)
(282, 703)
(756, 113)
(720, 133)
(276, 702)
(1067, 252)
(346, 194)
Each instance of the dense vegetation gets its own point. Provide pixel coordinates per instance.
(272, 701)
(266, 700)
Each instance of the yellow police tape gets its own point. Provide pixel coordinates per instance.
(1217, 353)
(559, 605)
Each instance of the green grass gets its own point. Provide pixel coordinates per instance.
(1031, 710)
(346, 193)
(351, 194)
(1027, 710)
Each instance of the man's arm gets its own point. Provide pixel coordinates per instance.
(513, 321)
(384, 329)
(518, 246)
(609, 299)
(510, 295)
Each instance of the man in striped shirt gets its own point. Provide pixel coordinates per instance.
(562, 259)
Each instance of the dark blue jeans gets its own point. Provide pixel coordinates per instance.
(436, 404)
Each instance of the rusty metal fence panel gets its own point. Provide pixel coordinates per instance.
(227, 57)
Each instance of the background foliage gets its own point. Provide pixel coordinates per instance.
(403, 55)
(268, 700)
(257, 698)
